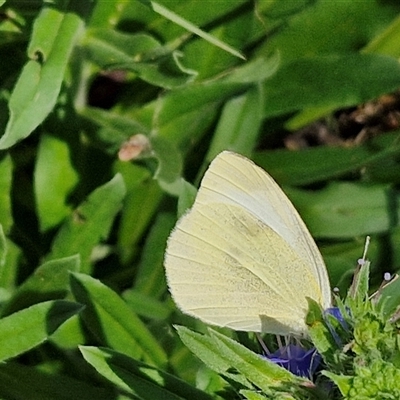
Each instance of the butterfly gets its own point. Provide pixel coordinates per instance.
(242, 257)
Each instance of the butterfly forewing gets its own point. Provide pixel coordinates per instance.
(233, 179)
(242, 257)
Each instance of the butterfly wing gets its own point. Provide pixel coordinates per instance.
(233, 259)
(234, 179)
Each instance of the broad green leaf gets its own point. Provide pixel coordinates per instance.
(330, 81)
(53, 184)
(35, 94)
(107, 13)
(316, 30)
(144, 381)
(6, 219)
(184, 115)
(343, 382)
(169, 169)
(140, 53)
(207, 350)
(36, 384)
(150, 273)
(387, 42)
(5, 273)
(223, 355)
(191, 104)
(256, 70)
(239, 126)
(114, 324)
(26, 329)
(3, 249)
(90, 223)
(320, 335)
(50, 281)
(249, 395)
(258, 370)
(345, 210)
(388, 297)
(377, 158)
(70, 334)
(10, 261)
(141, 202)
(186, 197)
(147, 306)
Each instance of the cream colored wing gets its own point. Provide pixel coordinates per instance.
(234, 179)
(228, 268)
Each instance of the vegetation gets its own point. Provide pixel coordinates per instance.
(111, 111)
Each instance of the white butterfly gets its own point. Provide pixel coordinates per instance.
(242, 257)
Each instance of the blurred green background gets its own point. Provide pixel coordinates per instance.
(112, 110)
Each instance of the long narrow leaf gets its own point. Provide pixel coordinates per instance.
(139, 379)
(110, 319)
(35, 94)
(90, 223)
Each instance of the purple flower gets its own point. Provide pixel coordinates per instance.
(336, 313)
(297, 360)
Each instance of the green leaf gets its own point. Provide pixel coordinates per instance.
(342, 382)
(53, 185)
(319, 333)
(326, 162)
(207, 350)
(358, 291)
(10, 259)
(191, 104)
(316, 31)
(239, 126)
(140, 204)
(113, 129)
(150, 273)
(140, 53)
(169, 170)
(361, 208)
(258, 370)
(387, 42)
(3, 250)
(184, 114)
(35, 94)
(144, 381)
(36, 384)
(90, 223)
(114, 324)
(330, 81)
(249, 395)
(30, 327)
(50, 281)
(158, 8)
(108, 13)
(147, 305)
(187, 196)
(6, 219)
(70, 334)
(388, 297)
(223, 354)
